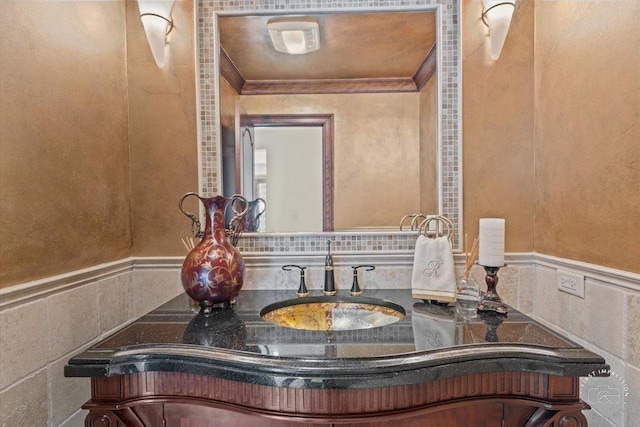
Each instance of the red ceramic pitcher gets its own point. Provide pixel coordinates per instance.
(213, 272)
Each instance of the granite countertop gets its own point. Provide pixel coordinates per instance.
(431, 342)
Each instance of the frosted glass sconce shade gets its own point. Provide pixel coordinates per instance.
(156, 20)
(497, 16)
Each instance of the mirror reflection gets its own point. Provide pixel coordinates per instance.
(282, 153)
(373, 155)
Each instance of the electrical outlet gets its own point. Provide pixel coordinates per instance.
(571, 283)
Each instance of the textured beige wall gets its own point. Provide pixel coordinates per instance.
(64, 157)
(64, 161)
(588, 131)
(228, 98)
(499, 111)
(428, 147)
(376, 152)
(498, 120)
(162, 134)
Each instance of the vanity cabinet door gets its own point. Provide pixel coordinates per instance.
(190, 415)
(475, 415)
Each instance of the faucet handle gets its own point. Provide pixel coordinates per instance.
(302, 289)
(355, 288)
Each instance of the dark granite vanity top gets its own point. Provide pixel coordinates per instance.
(431, 342)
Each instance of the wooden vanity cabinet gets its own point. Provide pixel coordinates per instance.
(497, 399)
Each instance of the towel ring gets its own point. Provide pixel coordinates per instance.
(414, 220)
(404, 218)
(448, 225)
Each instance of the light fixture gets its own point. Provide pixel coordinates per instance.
(497, 16)
(294, 37)
(156, 20)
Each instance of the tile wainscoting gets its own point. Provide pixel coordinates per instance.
(44, 323)
(606, 321)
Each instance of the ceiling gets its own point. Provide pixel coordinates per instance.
(359, 52)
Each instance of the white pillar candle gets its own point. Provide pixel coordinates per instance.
(491, 242)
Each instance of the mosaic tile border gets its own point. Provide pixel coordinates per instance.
(449, 91)
(341, 242)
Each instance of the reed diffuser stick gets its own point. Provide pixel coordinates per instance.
(466, 254)
(188, 243)
(471, 257)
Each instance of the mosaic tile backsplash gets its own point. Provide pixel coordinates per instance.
(318, 243)
(449, 73)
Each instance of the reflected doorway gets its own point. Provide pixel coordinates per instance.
(288, 176)
(286, 160)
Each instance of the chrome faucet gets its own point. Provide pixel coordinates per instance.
(329, 281)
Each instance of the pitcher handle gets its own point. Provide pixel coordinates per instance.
(235, 229)
(255, 219)
(263, 202)
(196, 227)
(233, 199)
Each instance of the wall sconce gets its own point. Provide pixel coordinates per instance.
(156, 20)
(497, 16)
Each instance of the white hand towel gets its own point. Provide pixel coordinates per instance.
(434, 275)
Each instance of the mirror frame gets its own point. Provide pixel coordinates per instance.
(449, 94)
